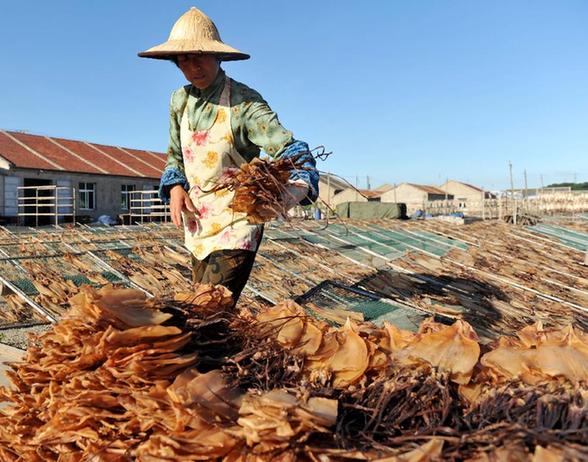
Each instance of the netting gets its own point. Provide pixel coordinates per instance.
(572, 238)
(333, 302)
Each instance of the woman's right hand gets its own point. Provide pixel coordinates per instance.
(179, 202)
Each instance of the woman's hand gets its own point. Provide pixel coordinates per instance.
(179, 202)
(294, 193)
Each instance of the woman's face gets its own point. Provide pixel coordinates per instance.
(199, 70)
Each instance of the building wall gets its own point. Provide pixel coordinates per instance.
(328, 190)
(439, 197)
(347, 195)
(8, 194)
(414, 198)
(405, 193)
(326, 193)
(2, 195)
(108, 188)
(461, 191)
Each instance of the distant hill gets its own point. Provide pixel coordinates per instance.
(574, 186)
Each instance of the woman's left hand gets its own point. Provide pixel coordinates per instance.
(294, 193)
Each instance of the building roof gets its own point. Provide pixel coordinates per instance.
(427, 188)
(462, 183)
(23, 150)
(334, 181)
(383, 188)
(370, 193)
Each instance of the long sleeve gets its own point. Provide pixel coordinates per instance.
(308, 173)
(264, 130)
(173, 173)
(254, 124)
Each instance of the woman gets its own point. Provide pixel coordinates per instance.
(216, 125)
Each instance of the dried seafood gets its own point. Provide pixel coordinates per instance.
(151, 269)
(260, 187)
(432, 383)
(124, 378)
(15, 310)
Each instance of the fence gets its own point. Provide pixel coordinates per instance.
(558, 203)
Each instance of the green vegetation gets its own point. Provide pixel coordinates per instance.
(574, 186)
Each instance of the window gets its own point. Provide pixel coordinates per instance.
(125, 196)
(87, 196)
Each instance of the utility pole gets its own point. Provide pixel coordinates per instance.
(514, 207)
(329, 189)
(511, 181)
(369, 187)
(500, 206)
(525, 202)
(446, 204)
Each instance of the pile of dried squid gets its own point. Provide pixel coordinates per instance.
(260, 187)
(125, 378)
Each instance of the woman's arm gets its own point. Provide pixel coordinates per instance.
(173, 173)
(265, 131)
(308, 174)
(174, 185)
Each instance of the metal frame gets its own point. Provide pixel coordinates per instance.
(147, 206)
(53, 201)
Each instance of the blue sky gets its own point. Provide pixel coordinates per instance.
(419, 90)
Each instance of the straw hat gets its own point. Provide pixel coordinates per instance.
(194, 32)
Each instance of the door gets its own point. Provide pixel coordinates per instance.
(38, 208)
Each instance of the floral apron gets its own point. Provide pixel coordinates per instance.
(208, 155)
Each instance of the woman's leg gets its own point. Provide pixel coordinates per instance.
(198, 268)
(230, 268)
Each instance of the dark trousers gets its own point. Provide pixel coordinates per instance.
(230, 268)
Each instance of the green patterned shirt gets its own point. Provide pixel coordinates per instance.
(255, 126)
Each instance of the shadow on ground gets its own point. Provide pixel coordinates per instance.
(469, 298)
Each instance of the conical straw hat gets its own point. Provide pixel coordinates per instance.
(194, 32)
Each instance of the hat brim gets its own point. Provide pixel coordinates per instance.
(172, 48)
